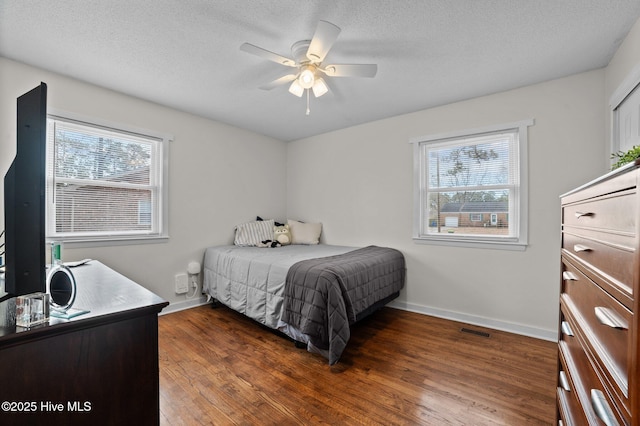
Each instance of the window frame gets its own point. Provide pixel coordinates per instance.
(518, 241)
(162, 177)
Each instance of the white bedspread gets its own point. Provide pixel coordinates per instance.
(251, 280)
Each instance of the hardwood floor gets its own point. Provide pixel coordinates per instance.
(218, 367)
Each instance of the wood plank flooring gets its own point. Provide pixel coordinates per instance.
(400, 368)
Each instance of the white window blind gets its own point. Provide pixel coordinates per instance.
(471, 175)
(102, 183)
(469, 187)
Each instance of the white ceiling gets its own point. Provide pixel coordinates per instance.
(185, 53)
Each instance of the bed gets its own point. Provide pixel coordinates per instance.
(311, 293)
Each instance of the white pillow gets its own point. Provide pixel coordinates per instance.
(254, 233)
(304, 233)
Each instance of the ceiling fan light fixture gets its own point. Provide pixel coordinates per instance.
(307, 60)
(319, 88)
(307, 78)
(296, 88)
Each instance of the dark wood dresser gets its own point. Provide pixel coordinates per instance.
(598, 346)
(97, 368)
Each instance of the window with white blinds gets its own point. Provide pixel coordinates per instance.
(103, 183)
(470, 188)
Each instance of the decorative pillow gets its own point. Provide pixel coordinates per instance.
(282, 234)
(253, 233)
(304, 233)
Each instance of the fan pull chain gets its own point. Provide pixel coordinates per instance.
(308, 110)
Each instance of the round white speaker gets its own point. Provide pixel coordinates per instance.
(61, 286)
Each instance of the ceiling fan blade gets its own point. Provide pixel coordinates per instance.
(324, 37)
(282, 80)
(263, 53)
(351, 70)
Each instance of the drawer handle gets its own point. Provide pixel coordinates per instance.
(569, 276)
(602, 409)
(566, 329)
(609, 318)
(581, 214)
(564, 382)
(579, 247)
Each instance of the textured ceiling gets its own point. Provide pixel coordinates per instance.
(185, 54)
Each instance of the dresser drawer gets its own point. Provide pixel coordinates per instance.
(613, 212)
(569, 409)
(612, 262)
(603, 322)
(584, 386)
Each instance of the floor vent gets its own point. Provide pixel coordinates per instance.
(476, 332)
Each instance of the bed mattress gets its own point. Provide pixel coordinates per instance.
(251, 280)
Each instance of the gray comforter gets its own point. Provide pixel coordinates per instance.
(322, 297)
(251, 280)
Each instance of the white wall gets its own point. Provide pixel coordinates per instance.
(358, 183)
(217, 174)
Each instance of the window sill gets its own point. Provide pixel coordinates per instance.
(109, 242)
(470, 243)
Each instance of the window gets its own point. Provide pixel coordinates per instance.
(104, 184)
(470, 188)
(475, 217)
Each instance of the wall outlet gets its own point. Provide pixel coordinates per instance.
(182, 283)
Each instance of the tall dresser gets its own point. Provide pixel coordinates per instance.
(598, 346)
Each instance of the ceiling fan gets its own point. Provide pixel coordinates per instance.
(308, 57)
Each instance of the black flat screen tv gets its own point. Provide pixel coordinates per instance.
(24, 198)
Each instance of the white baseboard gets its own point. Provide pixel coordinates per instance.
(185, 304)
(538, 333)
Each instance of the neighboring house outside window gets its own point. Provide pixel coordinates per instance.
(103, 183)
(495, 214)
(470, 188)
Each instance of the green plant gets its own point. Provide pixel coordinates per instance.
(625, 157)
